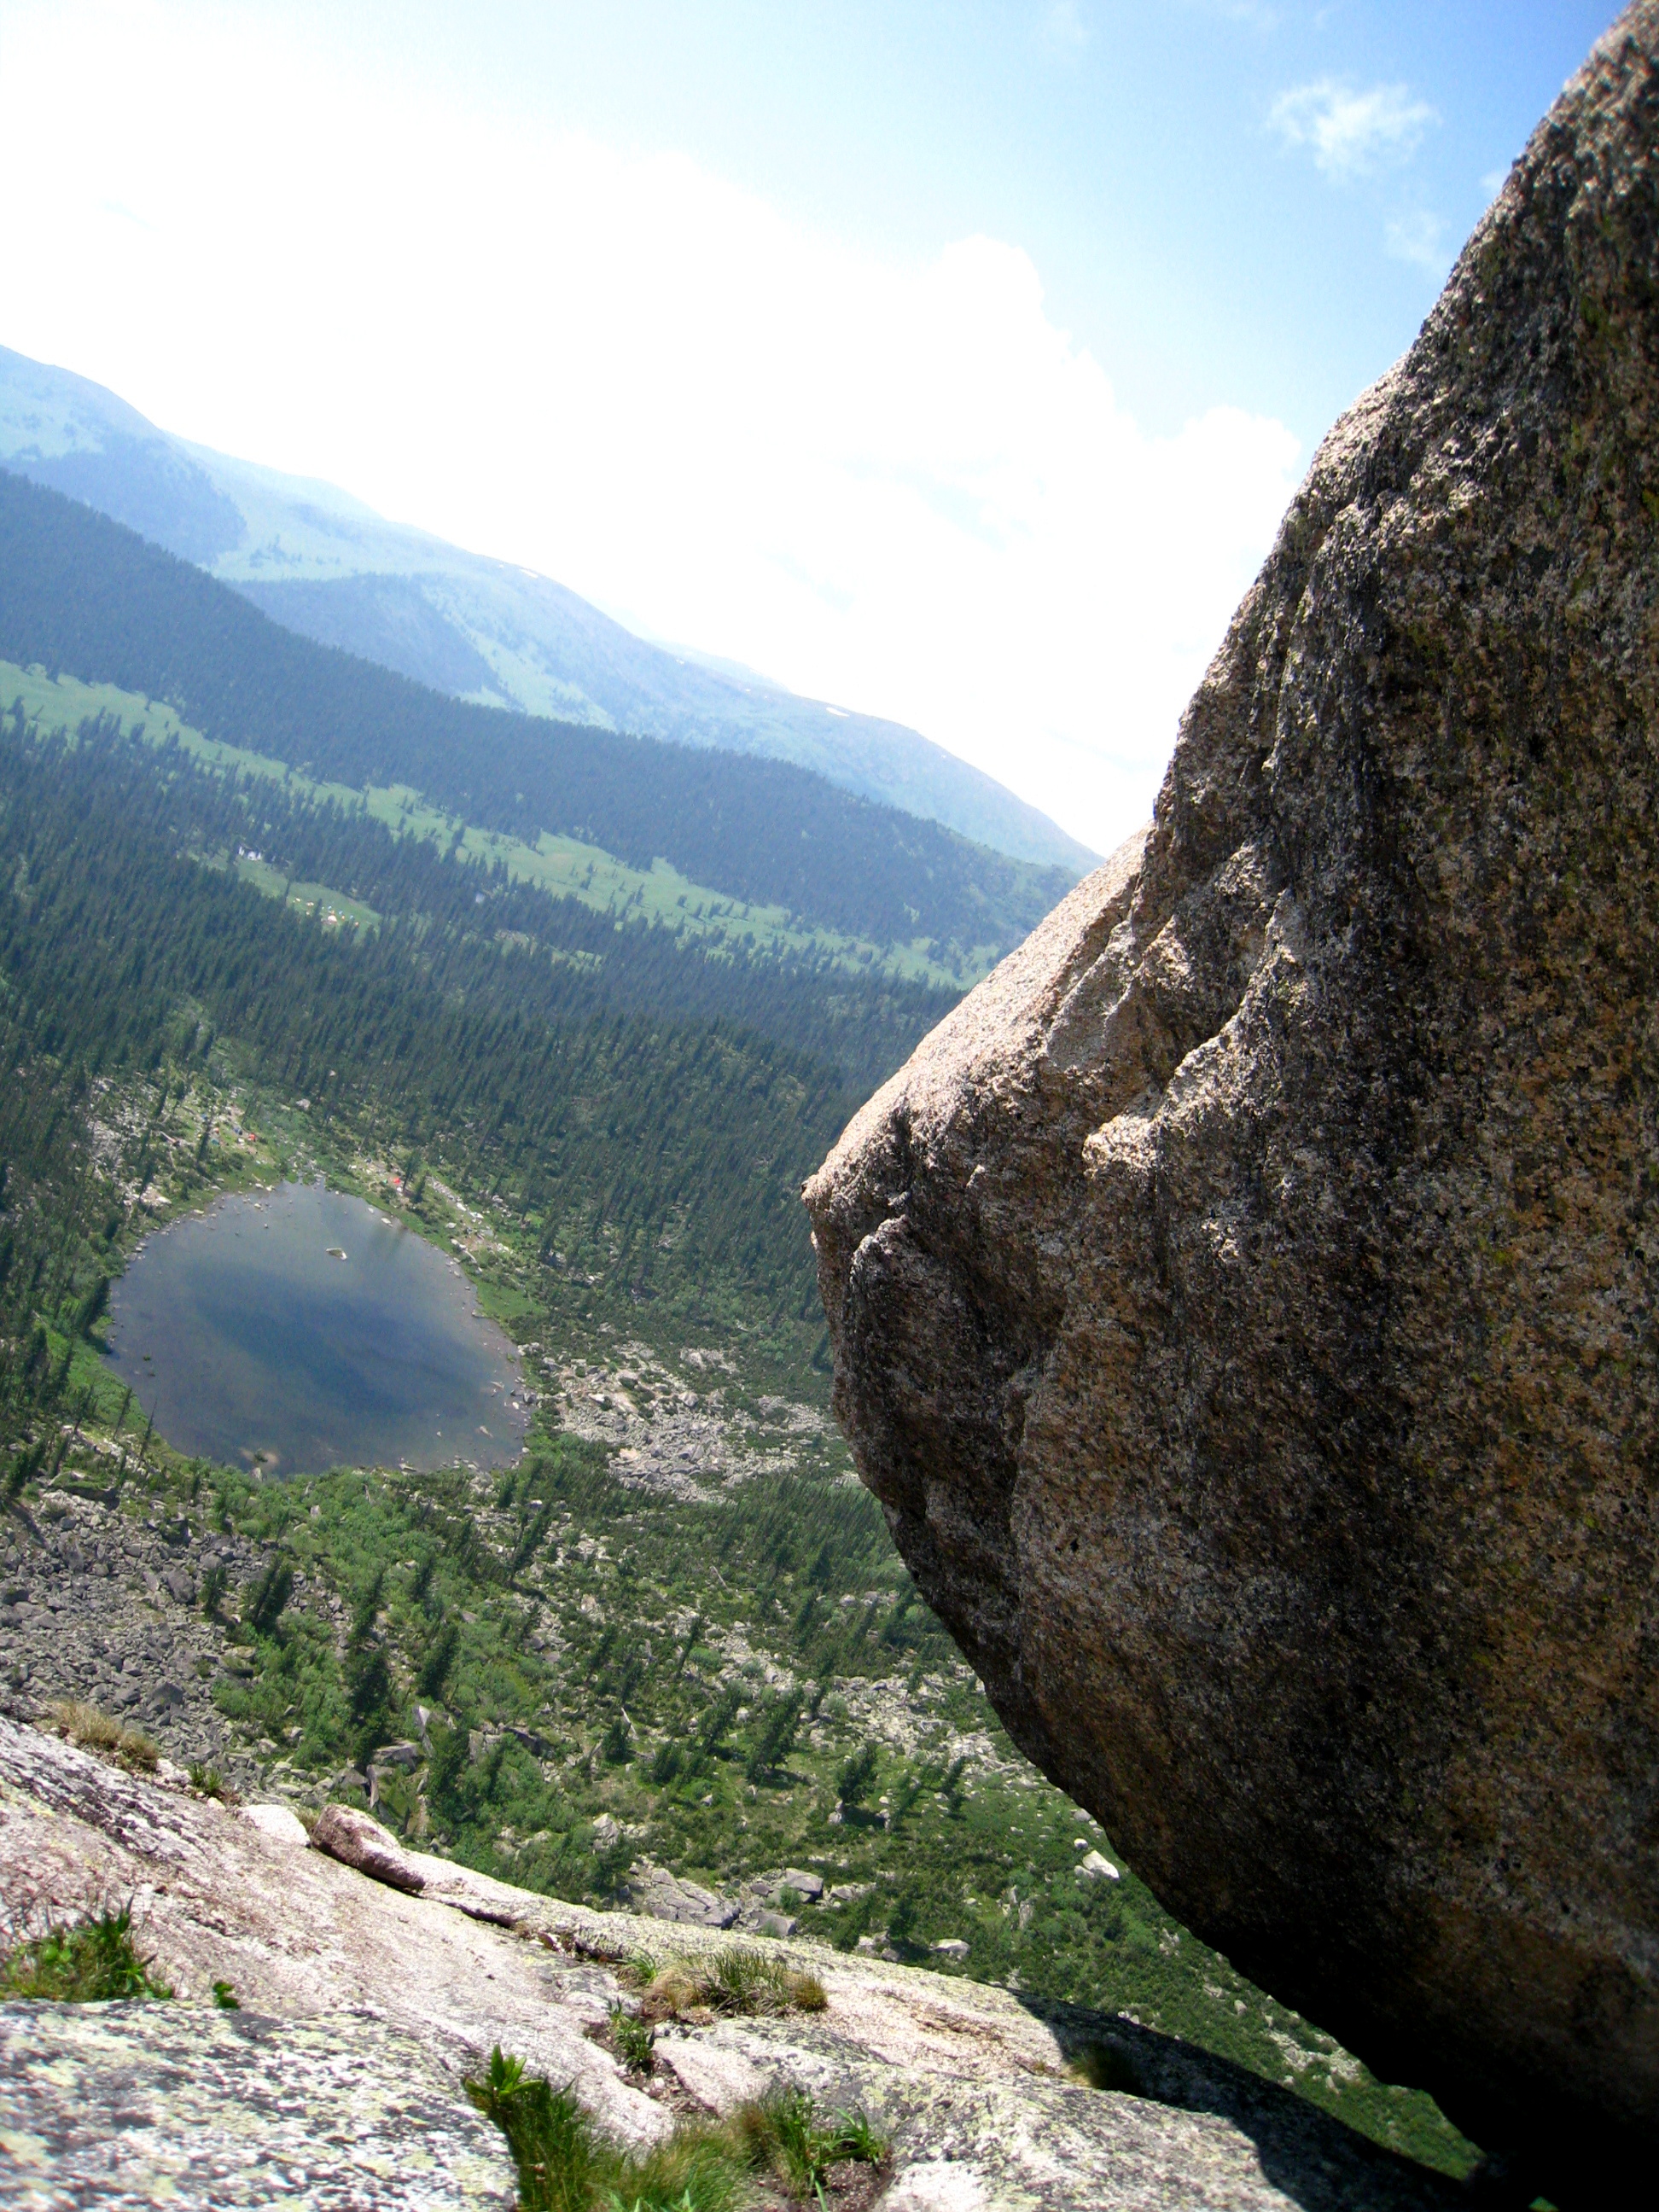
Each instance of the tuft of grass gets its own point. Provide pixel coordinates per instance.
(94, 1731)
(734, 1980)
(564, 2165)
(785, 2134)
(92, 1961)
(206, 1780)
(634, 2038)
(226, 1997)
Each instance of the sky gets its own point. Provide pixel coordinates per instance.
(952, 363)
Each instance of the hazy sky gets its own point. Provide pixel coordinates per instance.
(953, 363)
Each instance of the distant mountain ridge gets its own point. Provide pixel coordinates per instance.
(322, 563)
(83, 595)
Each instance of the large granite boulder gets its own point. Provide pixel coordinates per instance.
(1244, 1304)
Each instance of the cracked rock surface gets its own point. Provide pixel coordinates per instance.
(1243, 1303)
(364, 2003)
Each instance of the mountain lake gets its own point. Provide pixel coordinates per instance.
(296, 1329)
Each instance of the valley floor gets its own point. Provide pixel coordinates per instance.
(672, 1655)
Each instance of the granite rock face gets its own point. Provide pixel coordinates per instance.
(366, 1999)
(132, 2104)
(1244, 1304)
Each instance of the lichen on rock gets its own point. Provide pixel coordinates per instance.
(1243, 1304)
(365, 2006)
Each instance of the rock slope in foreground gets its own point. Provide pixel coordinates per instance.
(363, 2004)
(1243, 1304)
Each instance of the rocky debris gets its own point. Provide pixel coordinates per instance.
(721, 2082)
(280, 1822)
(150, 2104)
(672, 1438)
(660, 1895)
(295, 1933)
(363, 1990)
(97, 1603)
(356, 1841)
(1242, 1303)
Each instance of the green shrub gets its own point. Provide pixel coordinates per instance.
(439, 1658)
(783, 2132)
(267, 1598)
(775, 1737)
(857, 1776)
(634, 2038)
(564, 2165)
(94, 1731)
(87, 1962)
(734, 1980)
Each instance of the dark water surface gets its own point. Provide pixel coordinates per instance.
(263, 1343)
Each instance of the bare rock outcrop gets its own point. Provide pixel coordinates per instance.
(1244, 1304)
(363, 2004)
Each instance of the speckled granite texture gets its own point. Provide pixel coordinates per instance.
(367, 2002)
(1243, 1304)
(141, 2105)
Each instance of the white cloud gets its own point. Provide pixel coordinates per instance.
(899, 487)
(1420, 237)
(1351, 133)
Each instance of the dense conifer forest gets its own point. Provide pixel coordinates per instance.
(658, 1151)
(80, 592)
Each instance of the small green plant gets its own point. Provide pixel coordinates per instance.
(225, 1997)
(92, 1961)
(207, 1779)
(634, 2038)
(734, 1980)
(564, 2165)
(85, 1725)
(784, 2133)
(550, 2138)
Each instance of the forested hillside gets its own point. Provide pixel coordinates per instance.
(321, 562)
(660, 1155)
(80, 594)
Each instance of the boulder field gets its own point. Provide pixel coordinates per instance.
(1243, 1304)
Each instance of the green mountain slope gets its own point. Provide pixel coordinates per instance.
(80, 594)
(325, 565)
(661, 1157)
